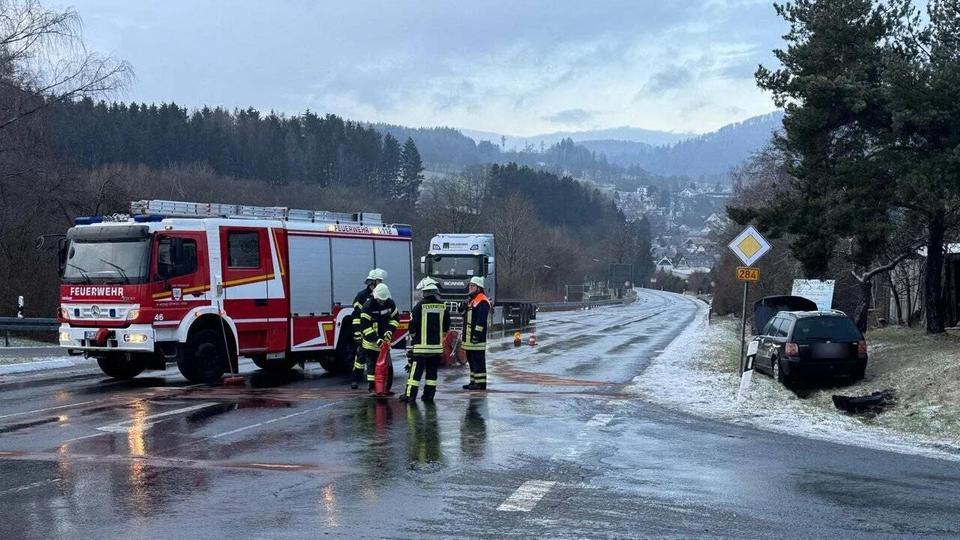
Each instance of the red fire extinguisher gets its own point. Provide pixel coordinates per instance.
(383, 372)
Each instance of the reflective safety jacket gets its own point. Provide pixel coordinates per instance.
(428, 323)
(358, 302)
(475, 323)
(376, 319)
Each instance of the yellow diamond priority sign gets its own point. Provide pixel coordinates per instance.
(749, 246)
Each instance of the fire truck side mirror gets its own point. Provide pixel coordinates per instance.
(490, 265)
(423, 265)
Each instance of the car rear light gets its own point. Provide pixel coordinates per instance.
(862, 349)
(792, 349)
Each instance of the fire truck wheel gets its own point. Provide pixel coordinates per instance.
(332, 363)
(119, 366)
(205, 358)
(274, 364)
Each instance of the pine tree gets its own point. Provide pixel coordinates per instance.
(411, 173)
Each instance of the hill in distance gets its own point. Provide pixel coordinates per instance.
(625, 133)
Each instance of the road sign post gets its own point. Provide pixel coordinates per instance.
(748, 246)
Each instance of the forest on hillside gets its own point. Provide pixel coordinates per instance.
(66, 150)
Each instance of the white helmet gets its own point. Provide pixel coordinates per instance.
(477, 280)
(427, 284)
(377, 274)
(381, 292)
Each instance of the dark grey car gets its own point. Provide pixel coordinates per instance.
(811, 345)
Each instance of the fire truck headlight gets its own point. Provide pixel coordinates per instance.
(133, 314)
(135, 338)
(64, 337)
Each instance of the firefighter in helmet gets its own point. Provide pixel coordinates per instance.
(374, 278)
(379, 319)
(428, 324)
(475, 334)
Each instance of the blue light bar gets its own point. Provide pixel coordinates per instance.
(88, 220)
(404, 231)
(149, 218)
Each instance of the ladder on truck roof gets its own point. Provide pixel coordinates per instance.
(203, 210)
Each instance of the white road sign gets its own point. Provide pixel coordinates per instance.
(816, 290)
(749, 246)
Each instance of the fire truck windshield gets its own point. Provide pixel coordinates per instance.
(107, 262)
(455, 265)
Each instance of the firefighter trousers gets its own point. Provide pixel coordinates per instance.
(359, 363)
(370, 357)
(478, 368)
(418, 365)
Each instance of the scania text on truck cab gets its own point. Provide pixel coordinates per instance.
(200, 284)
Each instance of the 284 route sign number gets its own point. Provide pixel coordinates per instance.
(748, 273)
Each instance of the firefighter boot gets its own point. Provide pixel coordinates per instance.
(429, 390)
(357, 375)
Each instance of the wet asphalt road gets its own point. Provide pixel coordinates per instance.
(559, 449)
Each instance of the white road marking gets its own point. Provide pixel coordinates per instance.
(47, 409)
(31, 486)
(272, 420)
(526, 497)
(148, 421)
(600, 420)
(582, 442)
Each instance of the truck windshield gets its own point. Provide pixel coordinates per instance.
(107, 262)
(455, 265)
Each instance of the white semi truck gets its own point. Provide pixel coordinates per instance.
(455, 258)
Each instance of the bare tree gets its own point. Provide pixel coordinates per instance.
(515, 225)
(43, 61)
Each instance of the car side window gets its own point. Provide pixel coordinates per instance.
(782, 328)
(785, 328)
(769, 329)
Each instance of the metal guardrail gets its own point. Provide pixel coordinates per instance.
(572, 306)
(24, 325)
(17, 324)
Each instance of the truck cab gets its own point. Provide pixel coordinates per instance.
(455, 258)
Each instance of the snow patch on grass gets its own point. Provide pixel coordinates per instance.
(697, 374)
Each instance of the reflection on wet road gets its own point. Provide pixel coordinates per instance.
(556, 449)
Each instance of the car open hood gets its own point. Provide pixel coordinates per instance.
(765, 308)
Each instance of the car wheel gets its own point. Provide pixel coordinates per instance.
(859, 374)
(778, 374)
(121, 366)
(205, 357)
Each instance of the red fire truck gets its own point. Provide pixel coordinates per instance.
(201, 284)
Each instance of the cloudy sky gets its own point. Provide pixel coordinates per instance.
(519, 68)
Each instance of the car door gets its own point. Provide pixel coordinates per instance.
(763, 346)
(779, 340)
